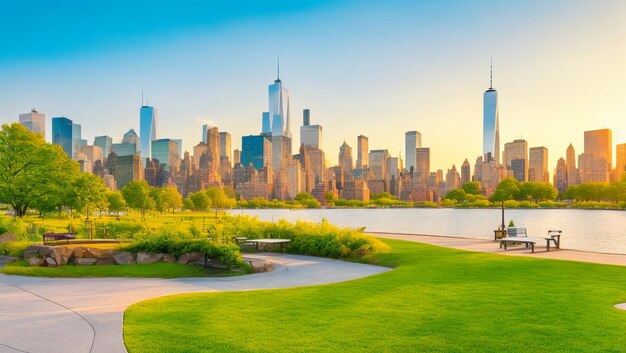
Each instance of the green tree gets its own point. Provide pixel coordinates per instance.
(116, 202)
(89, 193)
(172, 198)
(219, 199)
(508, 189)
(31, 170)
(307, 200)
(472, 187)
(200, 200)
(187, 203)
(137, 196)
(457, 195)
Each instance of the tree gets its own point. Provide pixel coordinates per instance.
(31, 170)
(307, 200)
(457, 195)
(472, 187)
(200, 200)
(89, 193)
(137, 196)
(187, 204)
(219, 199)
(508, 189)
(116, 202)
(172, 198)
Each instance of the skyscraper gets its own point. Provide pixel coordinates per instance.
(34, 122)
(538, 164)
(491, 123)
(130, 137)
(205, 127)
(345, 158)
(412, 141)
(77, 140)
(62, 133)
(516, 158)
(422, 165)
(378, 164)
(598, 153)
(105, 143)
(620, 160)
(362, 159)
(466, 175)
(279, 108)
(147, 131)
(310, 135)
(256, 150)
(225, 146)
(573, 175)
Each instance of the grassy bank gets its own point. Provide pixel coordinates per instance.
(436, 300)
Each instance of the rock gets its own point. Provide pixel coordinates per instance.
(106, 261)
(196, 257)
(50, 262)
(60, 254)
(36, 249)
(261, 266)
(35, 261)
(124, 258)
(169, 258)
(145, 258)
(84, 261)
(183, 259)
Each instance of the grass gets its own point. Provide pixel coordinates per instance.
(435, 300)
(156, 270)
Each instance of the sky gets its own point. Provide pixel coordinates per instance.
(377, 68)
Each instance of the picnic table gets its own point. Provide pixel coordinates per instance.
(282, 242)
(520, 236)
(59, 236)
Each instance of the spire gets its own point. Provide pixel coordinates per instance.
(142, 97)
(490, 72)
(277, 67)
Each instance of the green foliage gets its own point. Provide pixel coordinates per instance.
(14, 248)
(88, 194)
(200, 201)
(610, 192)
(219, 199)
(511, 223)
(119, 230)
(457, 195)
(307, 200)
(472, 187)
(137, 196)
(116, 202)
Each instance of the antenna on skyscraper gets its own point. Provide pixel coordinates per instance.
(277, 67)
(490, 71)
(142, 97)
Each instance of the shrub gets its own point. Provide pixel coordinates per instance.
(14, 248)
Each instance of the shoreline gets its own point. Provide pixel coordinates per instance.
(491, 246)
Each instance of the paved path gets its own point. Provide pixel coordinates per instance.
(490, 246)
(86, 314)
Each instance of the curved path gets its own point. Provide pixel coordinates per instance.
(86, 314)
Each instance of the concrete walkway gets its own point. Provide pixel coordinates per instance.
(491, 246)
(86, 314)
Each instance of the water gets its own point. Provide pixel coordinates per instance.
(587, 230)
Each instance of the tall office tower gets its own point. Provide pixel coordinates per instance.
(345, 159)
(517, 151)
(620, 160)
(179, 143)
(92, 153)
(213, 154)
(105, 143)
(573, 174)
(266, 128)
(453, 179)
(127, 169)
(306, 117)
(198, 151)
(279, 113)
(310, 135)
(491, 123)
(166, 152)
(62, 134)
(362, 152)
(124, 149)
(560, 175)
(538, 165)
(466, 174)
(225, 146)
(236, 156)
(378, 164)
(313, 161)
(256, 150)
(131, 137)
(147, 131)
(422, 165)
(412, 141)
(34, 122)
(394, 167)
(599, 154)
(205, 128)
(77, 140)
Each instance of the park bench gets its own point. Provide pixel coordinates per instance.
(58, 236)
(520, 236)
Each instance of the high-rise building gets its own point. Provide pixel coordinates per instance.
(131, 137)
(77, 140)
(466, 175)
(62, 133)
(345, 158)
(517, 150)
(560, 175)
(105, 143)
(573, 175)
(362, 159)
(279, 109)
(378, 164)
(412, 141)
(422, 164)
(236, 156)
(92, 153)
(598, 156)
(127, 169)
(166, 152)
(205, 128)
(124, 149)
(310, 135)
(620, 160)
(256, 150)
(34, 122)
(179, 143)
(147, 131)
(199, 151)
(491, 123)
(453, 179)
(225, 146)
(213, 154)
(538, 165)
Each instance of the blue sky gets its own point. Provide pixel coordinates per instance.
(362, 67)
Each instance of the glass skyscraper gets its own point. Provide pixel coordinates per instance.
(62, 133)
(279, 109)
(147, 131)
(412, 141)
(34, 122)
(105, 142)
(491, 124)
(256, 150)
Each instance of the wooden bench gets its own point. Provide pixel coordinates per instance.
(58, 236)
(520, 236)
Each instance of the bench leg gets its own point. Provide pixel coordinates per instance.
(548, 245)
(532, 245)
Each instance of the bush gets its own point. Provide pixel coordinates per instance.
(118, 230)
(14, 248)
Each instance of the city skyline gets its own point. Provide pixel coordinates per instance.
(548, 98)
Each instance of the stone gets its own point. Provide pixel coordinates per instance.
(124, 258)
(169, 258)
(146, 258)
(60, 254)
(183, 259)
(196, 257)
(261, 266)
(84, 261)
(35, 261)
(50, 262)
(35, 250)
(105, 261)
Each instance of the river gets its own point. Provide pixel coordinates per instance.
(587, 230)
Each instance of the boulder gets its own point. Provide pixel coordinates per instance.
(169, 258)
(146, 258)
(261, 266)
(37, 250)
(60, 254)
(35, 261)
(84, 261)
(124, 258)
(104, 256)
(50, 262)
(191, 257)
(183, 259)
(106, 261)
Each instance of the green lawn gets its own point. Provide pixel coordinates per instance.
(156, 270)
(436, 300)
